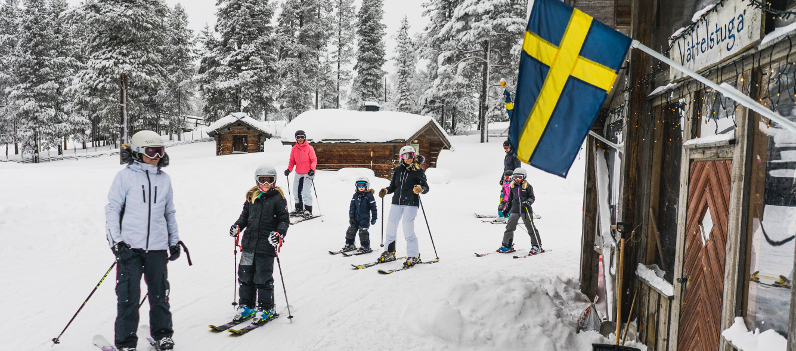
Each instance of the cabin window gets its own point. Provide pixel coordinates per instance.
(772, 213)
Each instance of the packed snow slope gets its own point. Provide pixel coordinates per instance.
(54, 252)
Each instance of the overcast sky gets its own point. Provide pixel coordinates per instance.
(201, 12)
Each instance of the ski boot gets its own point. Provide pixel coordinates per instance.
(262, 315)
(387, 256)
(242, 313)
(505, 249)
(298, 211)
(411, 261)
(782, 282)
(365, 249)
(536, 249)
(307, 211)
(348, 248)
(127, 349)
(755, 277)
(165, 344)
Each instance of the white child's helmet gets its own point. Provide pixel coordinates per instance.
(265, 171)
(407, 149)
(362, 179)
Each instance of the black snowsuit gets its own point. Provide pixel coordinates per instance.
(262, 214)
(521, 198)
(510, 163)
(363, 205)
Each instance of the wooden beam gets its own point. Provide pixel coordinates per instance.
(589, 259)
(656, 236)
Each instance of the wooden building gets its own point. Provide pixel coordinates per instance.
(238, 133)
(372, 139)
(704, 187)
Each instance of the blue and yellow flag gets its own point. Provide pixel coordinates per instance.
(569, 63)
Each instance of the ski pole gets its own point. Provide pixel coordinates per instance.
(382, 222)
(235, 263)
(289, 315)
(427, 226)
(320, 213)
(57, 340)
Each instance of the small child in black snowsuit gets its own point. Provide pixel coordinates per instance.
(518, 206)
(361, 215)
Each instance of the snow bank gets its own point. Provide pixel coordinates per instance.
(356, 126)
(438, 176)
(239, 116)
(778, 32)
(662, 88)
(713, 139)
(349, 175)
(653, 276)
(506, 313)
(746, 340)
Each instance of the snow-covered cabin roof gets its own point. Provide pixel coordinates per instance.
(234, 117)
(332, 125)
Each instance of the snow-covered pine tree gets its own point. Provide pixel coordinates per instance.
(126, 37)
(302, 42)
(178, 62)
(9, 21)
(405, 63)
(342, 48)
(369, 80)
(241, 69)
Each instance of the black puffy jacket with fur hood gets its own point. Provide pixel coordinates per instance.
(519, 194)
(404, 179)
(262, 214)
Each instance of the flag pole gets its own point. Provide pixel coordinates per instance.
(618, 147)
(725, 89)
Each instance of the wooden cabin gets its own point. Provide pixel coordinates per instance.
(237, 133)
(367, 139)
(701, 190)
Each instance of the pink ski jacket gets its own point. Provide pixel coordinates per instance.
(303, 157)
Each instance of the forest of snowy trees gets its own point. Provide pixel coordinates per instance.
(61, 65)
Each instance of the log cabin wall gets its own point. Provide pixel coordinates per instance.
(225, 138)
(376, 156)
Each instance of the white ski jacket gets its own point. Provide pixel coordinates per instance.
(141, 199)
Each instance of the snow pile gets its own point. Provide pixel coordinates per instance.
(701, 12)
(778, 32)
(653, 276)
(662, 88)
(238, 116)
(438, 176)
(746, 340)
(506, 313)
(713, 139)
(356, 126)
(349, 175)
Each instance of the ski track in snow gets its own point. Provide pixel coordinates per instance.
(54, 252)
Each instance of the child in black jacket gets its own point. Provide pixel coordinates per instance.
(362, 213)
(518, 205)
(265, 220)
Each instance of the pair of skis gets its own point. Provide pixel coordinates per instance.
(350, 253)
(244, 330)
(302, 219)
(390, 271)
(512, 250)
(104, 345)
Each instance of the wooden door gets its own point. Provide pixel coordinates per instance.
(705, 248)
(239, 143)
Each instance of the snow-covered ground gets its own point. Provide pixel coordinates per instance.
(54, 252)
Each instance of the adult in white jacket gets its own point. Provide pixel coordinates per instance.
(141, 228)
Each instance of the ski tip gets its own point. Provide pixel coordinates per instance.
(516, 256)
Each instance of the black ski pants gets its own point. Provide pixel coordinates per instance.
(256, 277)
(152, 265)
(351, 234)
(511, 226)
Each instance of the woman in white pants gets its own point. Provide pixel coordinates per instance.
(408, 181)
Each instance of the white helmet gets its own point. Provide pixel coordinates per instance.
(265, 171)
(144, 139)
(363, 179)
(405, 150)
(522, 172)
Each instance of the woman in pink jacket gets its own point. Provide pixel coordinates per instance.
(302, 156)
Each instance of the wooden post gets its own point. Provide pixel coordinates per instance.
(657, 237)
(589, 259)
(619, 280)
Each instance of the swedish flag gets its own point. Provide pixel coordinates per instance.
(568, 65)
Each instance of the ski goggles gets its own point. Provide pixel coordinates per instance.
(518, 177)
(266, 180)
(155, 151)
(362, 185)
(407, 155)
(301, 137)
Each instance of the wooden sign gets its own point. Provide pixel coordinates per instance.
(726, 31)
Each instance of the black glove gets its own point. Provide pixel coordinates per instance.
(122, 251)
(311, 173)
(506, 213)
(174, 252)
(351, 221)
(526, 204)
(287, 172)
(234, 231)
